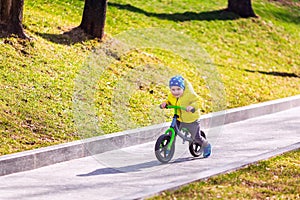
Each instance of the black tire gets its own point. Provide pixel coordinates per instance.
(161, 148)
(195, 148)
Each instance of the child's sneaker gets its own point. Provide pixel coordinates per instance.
(207, 151)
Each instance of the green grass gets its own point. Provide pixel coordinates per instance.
(256, 59)
(276, 178)
(37, 80)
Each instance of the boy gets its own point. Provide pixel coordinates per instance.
(182, 94)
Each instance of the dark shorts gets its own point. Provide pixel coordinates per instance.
(194, 129)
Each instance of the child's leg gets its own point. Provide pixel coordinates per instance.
(195, 131)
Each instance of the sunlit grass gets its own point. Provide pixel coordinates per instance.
(276, 178)
(257, 61)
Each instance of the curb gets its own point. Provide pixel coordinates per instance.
(33, 159)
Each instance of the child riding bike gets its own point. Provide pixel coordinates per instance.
(182, 94)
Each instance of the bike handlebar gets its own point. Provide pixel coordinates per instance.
(179, 107)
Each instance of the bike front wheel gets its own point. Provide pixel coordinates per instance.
(162, 153)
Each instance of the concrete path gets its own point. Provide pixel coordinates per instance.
(134, 172)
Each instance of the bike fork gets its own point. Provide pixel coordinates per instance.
(172, 137)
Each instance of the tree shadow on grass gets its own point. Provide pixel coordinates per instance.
(222, 14)
(282, 74)
(73, 36)
(77, 35)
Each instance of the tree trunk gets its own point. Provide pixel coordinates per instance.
(11, 16)
(241, 7)
(93, 18)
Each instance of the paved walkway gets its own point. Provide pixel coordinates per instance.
(134, 172)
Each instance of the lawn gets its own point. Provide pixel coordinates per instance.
(276, 178)
(60, 87)
(230, 61)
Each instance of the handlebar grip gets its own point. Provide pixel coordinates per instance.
(162, 107)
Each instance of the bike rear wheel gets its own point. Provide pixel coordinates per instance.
(195, 148)
(162, 153)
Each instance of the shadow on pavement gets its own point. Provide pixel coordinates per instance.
(135, 168)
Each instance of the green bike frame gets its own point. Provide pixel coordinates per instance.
(173, 128)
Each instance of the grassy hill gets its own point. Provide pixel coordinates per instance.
(255, 59)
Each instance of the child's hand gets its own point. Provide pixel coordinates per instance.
(163, 105)
(190, 108)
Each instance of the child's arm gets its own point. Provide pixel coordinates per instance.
(166, 102)
(194, 103)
